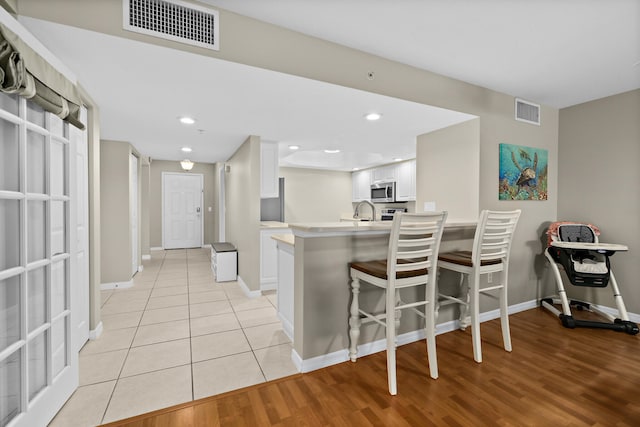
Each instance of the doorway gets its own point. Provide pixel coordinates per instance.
(182, 224)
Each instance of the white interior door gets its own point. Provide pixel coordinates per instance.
(78, 140)
(38, 361)
(133, 202)
(182, 210)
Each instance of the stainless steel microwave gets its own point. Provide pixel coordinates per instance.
(383, 192)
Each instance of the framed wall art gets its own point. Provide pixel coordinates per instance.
(523, 173)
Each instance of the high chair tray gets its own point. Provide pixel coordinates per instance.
(590, 246)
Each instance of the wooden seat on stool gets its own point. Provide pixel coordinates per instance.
(411, 261)
(491, 249)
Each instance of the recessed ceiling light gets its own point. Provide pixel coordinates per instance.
(373, 116)
(186, 149)
(356, 169)
(186, 120)
(331, 151)
(294, 147)
(397, 159)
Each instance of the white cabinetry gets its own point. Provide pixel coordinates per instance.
(224, 262)
(361, 182)
(269, 258)
(269, 170)
(403, 174)
(384, 174)
(406, 181)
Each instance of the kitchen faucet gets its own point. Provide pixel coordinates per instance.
(356, 211)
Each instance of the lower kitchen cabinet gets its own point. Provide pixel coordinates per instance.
(269, 258)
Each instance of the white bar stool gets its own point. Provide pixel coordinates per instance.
(411, 261)
(491, 249)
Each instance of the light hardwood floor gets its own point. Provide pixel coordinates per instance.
(553, 377)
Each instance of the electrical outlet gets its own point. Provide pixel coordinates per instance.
(489, 277)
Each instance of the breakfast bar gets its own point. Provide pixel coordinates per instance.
(321, 292)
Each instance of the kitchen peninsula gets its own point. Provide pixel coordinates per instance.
(322, 252)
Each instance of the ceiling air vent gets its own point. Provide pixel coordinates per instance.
(527, 112)
(173, 20)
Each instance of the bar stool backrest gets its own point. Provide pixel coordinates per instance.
(414, 243)
(492, 241)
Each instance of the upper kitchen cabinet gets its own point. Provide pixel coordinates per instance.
(384, 174)
(403, 174)
(361, 182)
(268, 170)
(406, 181)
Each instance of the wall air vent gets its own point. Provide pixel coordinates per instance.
(173, 20)
(527, 112)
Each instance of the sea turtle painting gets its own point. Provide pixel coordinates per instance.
(523, 173)
(528, 174)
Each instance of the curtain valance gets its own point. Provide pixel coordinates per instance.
(25, 72)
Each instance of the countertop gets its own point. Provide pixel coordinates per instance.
(289, 239)
(349, 227)
(273, 224)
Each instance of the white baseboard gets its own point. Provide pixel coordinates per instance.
(248, 292)
(319, 362)
(270, 286)
(116, 285)
(614, 312)
(156, 248)
(146, 257)
(94, 334)
(633, 317)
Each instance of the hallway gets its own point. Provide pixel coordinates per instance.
(173, 337)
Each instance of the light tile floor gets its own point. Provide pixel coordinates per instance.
(175, 336)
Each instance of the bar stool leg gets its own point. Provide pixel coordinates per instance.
(391, 342)
(475, 317)
(398, 315)
(464, 296)
(354, 319)
(504, 314)
(430, 329)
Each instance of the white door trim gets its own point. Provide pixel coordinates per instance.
(221, 205)
(133, 213)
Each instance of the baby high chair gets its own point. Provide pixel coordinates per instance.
(575, 247)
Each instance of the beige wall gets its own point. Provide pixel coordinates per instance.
(256, 43)
(155, 198)
(447, 170)
(115, 214)
(599, 173)
(316, 195)
(242, 191)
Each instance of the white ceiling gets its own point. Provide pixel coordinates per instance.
(553, 52)
(557, 53)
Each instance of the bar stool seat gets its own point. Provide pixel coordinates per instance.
(411, 261)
